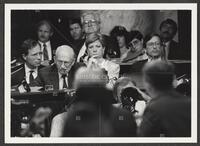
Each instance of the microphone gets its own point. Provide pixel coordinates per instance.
(26, 85)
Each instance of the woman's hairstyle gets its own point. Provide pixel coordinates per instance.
(119, 31)
(90, 38)
(162, 46)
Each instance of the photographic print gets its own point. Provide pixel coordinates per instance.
(101, 73)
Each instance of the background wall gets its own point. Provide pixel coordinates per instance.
(146, 21)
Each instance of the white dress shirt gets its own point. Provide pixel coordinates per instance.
(61, 82)
(167, 48)
(49, 50)
(27, 73)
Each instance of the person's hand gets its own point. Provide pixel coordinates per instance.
(93, 63)
(124, 55)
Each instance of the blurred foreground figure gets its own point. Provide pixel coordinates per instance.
(92, 113)
(168, 113)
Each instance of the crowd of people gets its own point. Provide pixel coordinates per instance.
(105, 103)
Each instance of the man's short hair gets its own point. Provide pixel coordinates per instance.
(44, 22)
(75, 21)
(170, 22)
(27, 45)
(159, 74)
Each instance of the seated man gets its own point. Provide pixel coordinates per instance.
(135, 51)
(168, 29)
(76, 33)
(31, 54)
(61, 74)
(92, 113)
(48, 46)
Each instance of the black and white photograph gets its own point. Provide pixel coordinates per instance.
(100, 73)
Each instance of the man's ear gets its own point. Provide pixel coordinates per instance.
(54, 58)
(103, 50)
(73, 61)
(142, 41)
(51, 34)
(24, 56)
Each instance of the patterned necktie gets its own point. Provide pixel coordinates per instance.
(31, 78)
(64, 81)
(45, 52)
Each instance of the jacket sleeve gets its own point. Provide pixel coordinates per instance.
(150, 126)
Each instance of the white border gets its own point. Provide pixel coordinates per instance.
(80, 6)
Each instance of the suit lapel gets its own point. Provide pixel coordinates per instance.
(54, 77)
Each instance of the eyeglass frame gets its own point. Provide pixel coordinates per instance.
(92, 22)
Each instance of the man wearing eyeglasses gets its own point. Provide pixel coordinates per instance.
(135, 51)
(59, 76)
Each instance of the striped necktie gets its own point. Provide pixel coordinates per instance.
(45, 52)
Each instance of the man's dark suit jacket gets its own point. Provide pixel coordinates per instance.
(174, 51)
(49, 76)
(85, 120)
(168, 114)
(18, 75)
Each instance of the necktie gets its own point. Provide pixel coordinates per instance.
(31, 78)
(45, 52)
(64, 81)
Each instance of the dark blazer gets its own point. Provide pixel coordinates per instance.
(174, 51)
(49, 76)
(18, 75)
(168, 114)
(85, 119)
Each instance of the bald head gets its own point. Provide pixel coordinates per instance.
(64, 58)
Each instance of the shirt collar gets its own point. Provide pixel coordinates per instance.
(60, 75)
(27, 69)
(47, 43)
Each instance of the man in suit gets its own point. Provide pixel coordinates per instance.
(168, 113)
(31, 54)
(76, 33)
(60, 74)
(44, 34)
(168, 29)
